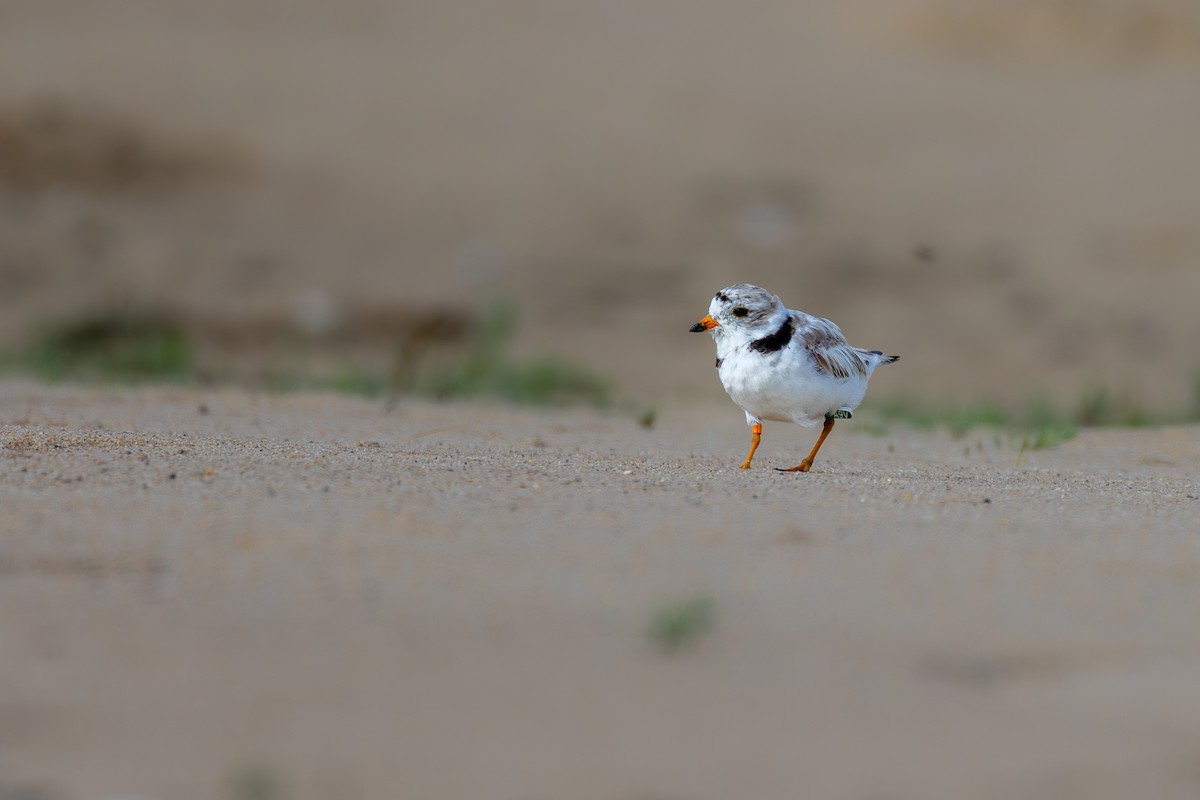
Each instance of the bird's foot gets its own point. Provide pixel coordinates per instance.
(803, 466)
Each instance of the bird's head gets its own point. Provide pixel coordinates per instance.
(742, 310)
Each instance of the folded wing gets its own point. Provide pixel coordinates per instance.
(829, 348)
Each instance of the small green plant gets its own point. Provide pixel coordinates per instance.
(488, 369)
(648, 418)
(144, 347)
(1096, 408)
(358, 381)
(683, 622)
(959, 420)
(1043, 438)
(1051, 436)
(962, 421)
(904, 410)
(256, 782)
(1040, 424)
(122, 347)
(1193, 414)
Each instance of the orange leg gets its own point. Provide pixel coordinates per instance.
(755, 438)
(806, 464)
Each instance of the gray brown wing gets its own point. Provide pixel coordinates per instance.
(829, 348)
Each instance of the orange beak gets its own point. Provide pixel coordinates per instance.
(706, 324)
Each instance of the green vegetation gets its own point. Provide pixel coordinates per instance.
(1039, 423)
(124, 348)
(489, 370)
(139, 347)
(148, 348)
(1099, 408)
(1042, 439)
(1038, 426)
(916, 414)
(1193, 412)
(255, 782)
(683, 622)
(357, 381)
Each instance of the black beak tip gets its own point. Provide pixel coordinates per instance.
(697, 328)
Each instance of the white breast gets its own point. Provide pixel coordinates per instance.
(786, 386)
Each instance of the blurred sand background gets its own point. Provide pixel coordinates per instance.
(218, 592)
(1004, 193)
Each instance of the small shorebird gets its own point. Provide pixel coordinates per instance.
(785, 365)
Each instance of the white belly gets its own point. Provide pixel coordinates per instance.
(786, 387)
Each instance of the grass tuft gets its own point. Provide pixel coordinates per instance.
(357, 381)
(113, 348)
(149, 348)
(1193, 413)
(256, 782)
(967, 419)
(1047, 437)
(683, 622)
(1040, 424)
(487, 369)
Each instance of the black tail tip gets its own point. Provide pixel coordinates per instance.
(889, 359)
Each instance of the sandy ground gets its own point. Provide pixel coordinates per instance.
(221, 594)
(454, 601)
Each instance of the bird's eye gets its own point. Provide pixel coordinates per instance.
(741, 311)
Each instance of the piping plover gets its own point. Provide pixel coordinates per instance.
(785, 365)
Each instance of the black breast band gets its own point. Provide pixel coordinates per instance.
(776, 341)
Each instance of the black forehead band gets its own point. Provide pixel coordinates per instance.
(724, 298)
